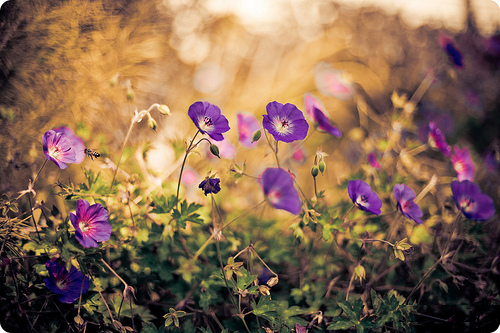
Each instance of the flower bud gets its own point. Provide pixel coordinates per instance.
(360, 272)
(256, 136)
(314, 171)
(272, 281)
(214, 150)
(322, 167)
(152, 123)
(164, 110)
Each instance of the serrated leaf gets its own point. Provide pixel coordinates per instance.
(340, 324)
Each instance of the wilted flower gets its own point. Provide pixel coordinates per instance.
(285, 122)
(372, 159)
(453, 53)
(247, 126)
(67, 285)
(208, 118)
(210, 185)
(62, 146)
(471, 202)
(437, 139)
(462, 164)
(332, 82)
(404, 197)
(277, 185)
(363, 197)
(91, 223)
(316, 112)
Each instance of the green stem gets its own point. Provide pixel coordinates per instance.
(183, 164)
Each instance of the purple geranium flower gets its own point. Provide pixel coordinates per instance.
(471, 202)
(91, 223)
(285, 122)
(462, 164)
(372, 159)
(453, 53)
(316, 112)
(247, 125)
(65, 284)
(437, 139)
(208, 118)
(404, 197)
(363, 197)
(210, 185)
(277, 185)
(62, 146)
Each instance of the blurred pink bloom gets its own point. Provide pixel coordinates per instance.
(462, 164)
(189, 177)
(226, 149)
(332, 82)
(437, 139)
(300, 154)
(247, 125)
(372, 159)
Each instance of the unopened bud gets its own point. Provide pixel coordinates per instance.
(264, 290)
(322, 167)
(314, 171)
(214, 150)
(164, 110)
(272, 281)
(256, 136)
(152, 123)
(360, 272)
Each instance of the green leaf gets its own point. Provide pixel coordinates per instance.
(340, 324)
(348, 310)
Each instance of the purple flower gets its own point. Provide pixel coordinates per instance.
(277, 185)
(462, 164)
(363, 197)
(437, 140)
(491, 161)
(285, 122)
(66, 285)
(453, 53)
(210, 185)
(404, 197)
(208, 118)
(247, 125)
(316, 112)
(372, 159)
(471, 202)
(62, 146)
(91, 223)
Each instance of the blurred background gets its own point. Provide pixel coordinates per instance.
(88, 64)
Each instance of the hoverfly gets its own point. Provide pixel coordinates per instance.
(91, 153)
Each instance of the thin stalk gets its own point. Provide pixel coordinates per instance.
(38, 173)
(183, 163)
(121, 154)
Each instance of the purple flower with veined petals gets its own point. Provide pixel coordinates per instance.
(277, 185)
(285, 122)
(67, 285)
(210, 185)
(363, 197)
(372, 159)
(247, 125)
(91, 223)
(208, 118)
(437, 139)
(316, 112)
(404, 197)
(471, 202)
(62, 146)
(462, 164)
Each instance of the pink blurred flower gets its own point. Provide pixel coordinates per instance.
(332, 82)
(299, 155)
(462, 164)
(247, 125)
(372, 159)
(226, 149)
(437, 139)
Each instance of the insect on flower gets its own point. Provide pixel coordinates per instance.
(91, 153)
